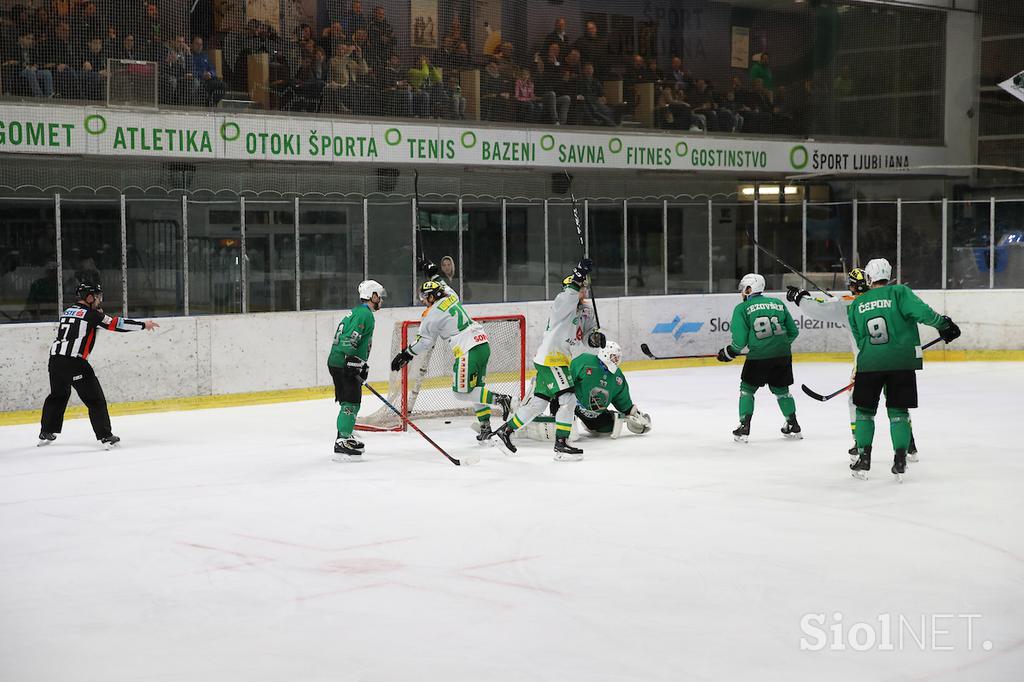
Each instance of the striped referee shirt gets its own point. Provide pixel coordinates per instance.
(76, 332)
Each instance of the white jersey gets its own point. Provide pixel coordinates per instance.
(569, 323)
(829, 309)
(448, 320)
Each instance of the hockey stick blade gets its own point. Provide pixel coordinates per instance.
(823, 398)
(647, 351)
(469, 458)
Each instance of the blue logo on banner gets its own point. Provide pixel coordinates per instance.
(676, 329)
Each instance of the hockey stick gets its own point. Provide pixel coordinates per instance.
(469, 458)
(647, 351)
(418, 226)
(823, 398)
(784, 264)
(583, 246)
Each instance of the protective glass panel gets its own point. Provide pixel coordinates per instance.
(330, 254)
(28, 261)
(605, 237)
(645, 250)
(91, 248)
(922, 245)
(270, 249)
(155, 265)
(214, 257)
(1009, 244)
(780, 230)
(438, 239)
(876, 233)
(564, 247)
(733, 249)
(688, 248)
(481, 249)
(525, 248)
(390, 250)
(968, 254)
(829, 243)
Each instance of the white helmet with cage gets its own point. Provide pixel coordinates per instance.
(754, 281)
(610, 356)
(877, 270)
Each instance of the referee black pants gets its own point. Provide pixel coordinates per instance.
(66, 373)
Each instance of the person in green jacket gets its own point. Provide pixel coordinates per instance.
(599, 384)
(763, 71)
(765, 325)
(884, 324)
(347, 365)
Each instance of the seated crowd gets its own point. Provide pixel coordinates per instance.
(354, 65)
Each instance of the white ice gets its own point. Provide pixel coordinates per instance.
(225, 545)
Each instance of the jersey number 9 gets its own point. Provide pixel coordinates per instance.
(768, 326)
(878, 331)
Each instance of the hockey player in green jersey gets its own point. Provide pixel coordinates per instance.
(884, 324)
(569, 323)
(348, 368)
(445, 318)
(599, 384)
(765, 326)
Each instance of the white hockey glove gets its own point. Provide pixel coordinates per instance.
(638, 422)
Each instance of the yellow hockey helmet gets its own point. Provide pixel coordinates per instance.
(431, 291)
(856, 282)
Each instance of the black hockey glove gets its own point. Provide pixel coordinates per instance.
(356, 368)
(794, 294)
(401, 360)
(430, 270)
(727, 354)
(950, 331)
(597, 339)
(582, 269)
(364, 373)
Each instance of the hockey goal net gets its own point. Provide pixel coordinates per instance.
(423, 388)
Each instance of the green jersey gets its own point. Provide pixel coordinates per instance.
(353, 337)
(765, 326)
(596, 388)
(884, 325)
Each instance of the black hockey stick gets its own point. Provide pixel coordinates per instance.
(750, 233)
(583, 246)
(844, 389)
(647, 351)
(471, 458)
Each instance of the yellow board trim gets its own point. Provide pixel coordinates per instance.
(206, 402)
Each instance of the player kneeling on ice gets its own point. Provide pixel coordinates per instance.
(445, 318)
(348, 368)
(765, 326)
(69, 366)
(599, 384)
(884, 324)
(570, 320)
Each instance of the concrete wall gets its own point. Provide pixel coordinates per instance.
(216, 355)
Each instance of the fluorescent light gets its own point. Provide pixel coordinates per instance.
(747, 191)
(768, 189)
(792, 189)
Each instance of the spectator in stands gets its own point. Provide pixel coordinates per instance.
(592, 105)
(802, 106)
(425, 79)
(573, 64)
(361, 39)
(505, 56)
(129, 51)
(310, 80)
(398, 98)
(654, 72)
(463, 61)
(337, 98)
(594, 49)
(547, 78)
(93, 69)
(61, 60)
(332, 36)
(558, 35)
(445, 55)
(528, 106)
(635, 75)
(279, 80)
(761, 70)
(552, 59)
(205, 73)
(675, 113)
(381, 40)
(27, 62)
(728, 103)
(495, 94)
(454, 88)
(175, 80)
(85, 22)
(355, 19)
(702, 101)
(755, 107)
(680, 78)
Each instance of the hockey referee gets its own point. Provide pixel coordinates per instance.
(69, 364)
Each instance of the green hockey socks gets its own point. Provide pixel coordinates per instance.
(746, 400)
(346, 419)
(781, 393)
(785, 398)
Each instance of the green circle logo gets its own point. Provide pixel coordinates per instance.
(469, 139)
(95, 124)
(682, 149)
(547, 142)
(615, 145)
(229, 132)
(798, 157)
(393, 136)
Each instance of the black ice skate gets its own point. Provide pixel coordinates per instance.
(505, 403)
(502, 439)
(853, 453)
(565, 452)
(485, 433)
(45, 438)
(742, 432)
(791, 429)
(109, 442)
(899, 464)
(862, 466)
(348, 450)
(912, 450)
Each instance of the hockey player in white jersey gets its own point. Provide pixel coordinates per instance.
(569, 323)
(445, 318)
(834, 309)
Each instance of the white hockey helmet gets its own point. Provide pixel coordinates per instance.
(754, 281)
(877, 269)
(369, 287)
(610, 356)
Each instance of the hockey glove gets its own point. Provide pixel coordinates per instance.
(950, 331)
(597, 339)
(364, 373)
(638, 422)
(355, 367)
(430, 270)
(401, 360)
(727, 354)
(794, 294)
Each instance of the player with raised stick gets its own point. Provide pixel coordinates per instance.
(884, 324)
(347, 365)
(569, 322)
(69, 364)
(599, 384)
(445, 318)
(763, 324)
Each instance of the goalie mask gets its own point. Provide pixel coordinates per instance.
(610, 356)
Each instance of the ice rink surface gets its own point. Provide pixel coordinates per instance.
(226, 545)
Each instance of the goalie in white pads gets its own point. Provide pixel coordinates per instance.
(445, 318)
(600, 384)
(569, 322)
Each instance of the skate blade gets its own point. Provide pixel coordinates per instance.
(43, 443)
(740, 439)
(497, 442)
(794, 436)
(111, 446)
(345, 457)
(469, 458)
(860, 475)
(567, 457)
(899, 478)
(912, 457)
